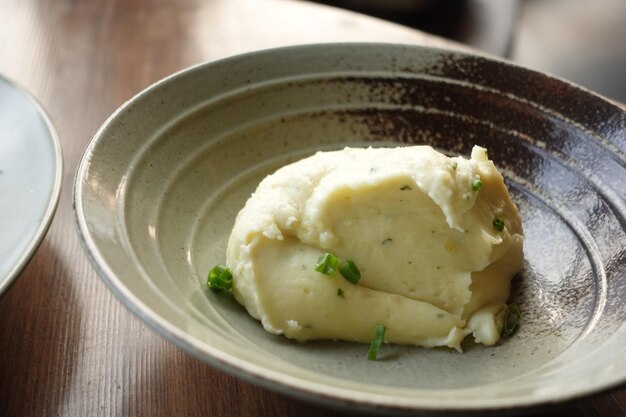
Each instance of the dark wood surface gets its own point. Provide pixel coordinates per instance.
(67, 346)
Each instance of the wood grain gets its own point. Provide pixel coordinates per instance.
(67, 346)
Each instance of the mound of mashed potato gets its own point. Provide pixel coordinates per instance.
(436, 239)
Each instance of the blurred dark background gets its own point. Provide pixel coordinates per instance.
(583, 41)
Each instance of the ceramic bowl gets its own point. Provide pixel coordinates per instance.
(159, 187)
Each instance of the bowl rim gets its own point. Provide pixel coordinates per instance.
(274, 380)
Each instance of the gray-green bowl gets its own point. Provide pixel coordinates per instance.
(159, 187)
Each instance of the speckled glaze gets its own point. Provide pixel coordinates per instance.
(160, 185)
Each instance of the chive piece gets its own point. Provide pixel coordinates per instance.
(340, 293)
(476, 184)
(327, 264)
(512, 316)
(384, 242)
(375, 345)
(454, 164)
(405, 187)
(220, 279)
(498, 223)
(350, 271)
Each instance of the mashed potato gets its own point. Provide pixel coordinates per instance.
(425, 231)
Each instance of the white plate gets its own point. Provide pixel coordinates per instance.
(30, 178)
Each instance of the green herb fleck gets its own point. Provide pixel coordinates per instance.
(375, 345)
(220, 279)
(498, 223)
(340, 293)
(327, 264)
(512, 316)
(476, 184)
(350, 271)
(385, 241)
(440, 315)
(454, 165)
(405, 187)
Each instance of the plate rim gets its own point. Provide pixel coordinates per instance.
(54, 197)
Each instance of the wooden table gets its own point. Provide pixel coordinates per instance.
(67, 346)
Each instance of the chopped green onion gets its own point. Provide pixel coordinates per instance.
(476, 184)
(350, 271)
(327, 264)
(405, 187)
(340, 293)
(512, 316)
(498, 224)
(220, 279)
(385, 241)
(454, 165)
(375, 345)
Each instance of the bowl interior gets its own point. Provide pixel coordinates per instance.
(164, 179)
